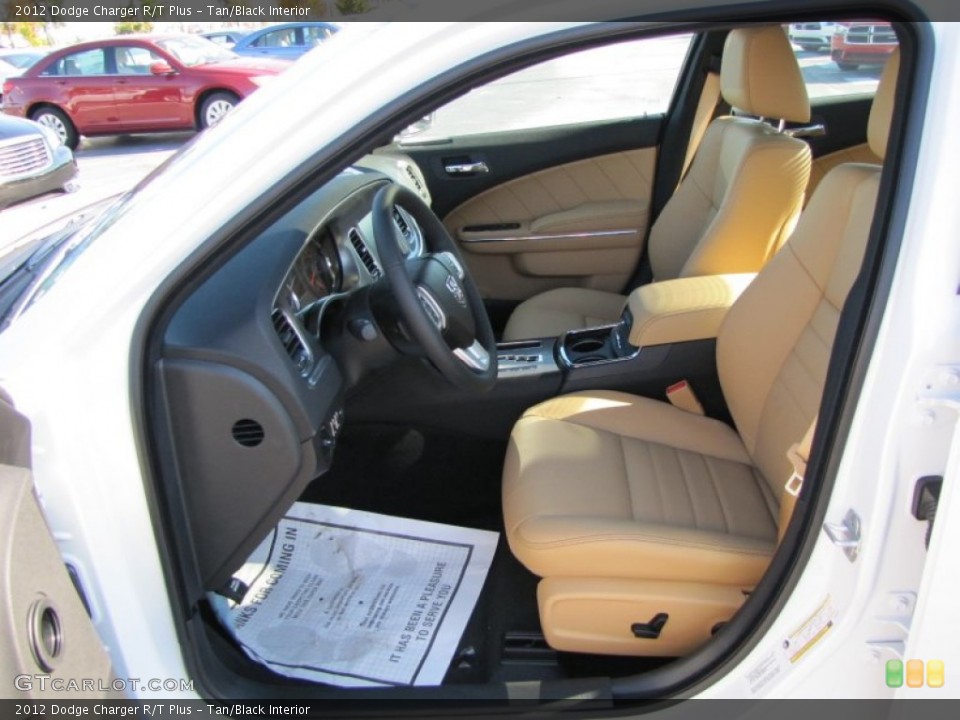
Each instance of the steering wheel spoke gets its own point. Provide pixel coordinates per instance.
(474, 357)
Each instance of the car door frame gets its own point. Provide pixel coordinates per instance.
(49, 644)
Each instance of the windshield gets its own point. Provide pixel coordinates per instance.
(29, 266)
(193, 51)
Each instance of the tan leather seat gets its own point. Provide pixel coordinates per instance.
(738, 202)
(629, 507)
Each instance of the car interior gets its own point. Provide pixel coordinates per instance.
(608, 342)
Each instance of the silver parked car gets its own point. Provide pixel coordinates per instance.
(33, 161)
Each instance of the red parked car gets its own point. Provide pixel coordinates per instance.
(134, 84)
(862, 43)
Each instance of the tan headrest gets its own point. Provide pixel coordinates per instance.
(760, 75)
(881, 113)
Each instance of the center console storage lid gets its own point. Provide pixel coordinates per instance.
(684, 309)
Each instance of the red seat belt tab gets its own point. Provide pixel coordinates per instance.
(681, 395)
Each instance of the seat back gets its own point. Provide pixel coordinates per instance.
(775, 344)
(745, 188)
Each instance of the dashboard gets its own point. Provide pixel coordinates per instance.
(339, 256)
(252, 397)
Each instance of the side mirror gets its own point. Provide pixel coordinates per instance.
(424, 123)
(162, 68)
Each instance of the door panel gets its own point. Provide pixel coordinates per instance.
(574, 201)
(580, 223)
(48, 642)
(545, 174)
(84, 88)
(146, 101)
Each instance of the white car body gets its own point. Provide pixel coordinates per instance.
(70, 365)
(813, 35)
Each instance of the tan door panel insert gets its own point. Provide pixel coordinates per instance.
(582, 223)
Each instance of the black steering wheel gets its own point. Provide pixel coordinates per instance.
(436, 297)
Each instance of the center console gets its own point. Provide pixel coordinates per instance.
(667, 333)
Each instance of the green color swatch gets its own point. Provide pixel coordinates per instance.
(894, 673)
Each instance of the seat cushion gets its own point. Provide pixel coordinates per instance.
(552, 313)
(606, 484)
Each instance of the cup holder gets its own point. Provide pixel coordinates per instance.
(583, 347)
(587, 346)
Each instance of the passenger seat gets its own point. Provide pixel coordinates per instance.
(739, 201)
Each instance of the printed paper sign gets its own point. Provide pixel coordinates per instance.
(352, 598)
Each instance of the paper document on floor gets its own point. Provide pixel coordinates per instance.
(355, 599)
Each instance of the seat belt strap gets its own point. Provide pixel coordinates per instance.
(798, 454)
(709, 99)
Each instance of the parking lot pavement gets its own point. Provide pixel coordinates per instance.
(108, 166)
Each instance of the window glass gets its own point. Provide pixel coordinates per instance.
(194, 51)
(315, 35)
(224, 40)
(842, 59)
(623, 80)
(278, 38)
(135, 60)
(88, 62)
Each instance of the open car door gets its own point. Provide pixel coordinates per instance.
(50, 649)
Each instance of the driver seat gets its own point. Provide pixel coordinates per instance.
(735, 207)
(631, 509)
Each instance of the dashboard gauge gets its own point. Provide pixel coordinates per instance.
(318, 272)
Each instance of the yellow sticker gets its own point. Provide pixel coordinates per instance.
(811, 631)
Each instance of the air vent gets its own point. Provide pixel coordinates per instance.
(401, 223)
(404, 227)
(415, 179)
(364, 254)
(292, 342)
(247, 432)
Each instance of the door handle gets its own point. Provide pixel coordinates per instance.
(467, 168)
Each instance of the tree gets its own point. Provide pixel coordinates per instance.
(35, 33)
(317, 8)
(352, 7)
(27, 30)
(128, 28)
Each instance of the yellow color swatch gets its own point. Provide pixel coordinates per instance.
(915, 673)
(935, 673)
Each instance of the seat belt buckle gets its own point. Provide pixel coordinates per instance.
(799, 470)
(681, 396)
(794, 484)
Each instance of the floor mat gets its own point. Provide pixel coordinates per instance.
(355, 599)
